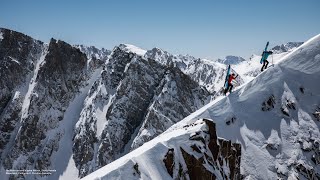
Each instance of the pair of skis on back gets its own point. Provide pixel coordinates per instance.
(226, 84)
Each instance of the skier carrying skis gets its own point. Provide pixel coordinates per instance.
(264, 58)
(230, 85)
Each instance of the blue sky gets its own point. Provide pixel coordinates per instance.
(206, 29)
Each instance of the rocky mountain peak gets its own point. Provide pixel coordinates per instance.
(286, 47)
(159, 55)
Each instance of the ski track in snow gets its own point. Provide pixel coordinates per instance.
(66, 170)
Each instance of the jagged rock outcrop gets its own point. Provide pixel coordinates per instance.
(213, 157)
(96, 57)
(268, 104)
(18, 56)
(177, 96)
(286, 47)
(58, 74)
(134, 94)
(206, 73)
(191, 152)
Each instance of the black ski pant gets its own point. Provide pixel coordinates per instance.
(265, 65)
(230, 86)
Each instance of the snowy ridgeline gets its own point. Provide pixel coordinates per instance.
(189, 152)
(275, 117)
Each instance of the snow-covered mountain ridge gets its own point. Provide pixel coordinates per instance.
(275, 117)
(280, 136)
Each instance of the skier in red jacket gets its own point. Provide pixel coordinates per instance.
(230, 85)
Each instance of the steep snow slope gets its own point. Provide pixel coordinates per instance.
(275, 117)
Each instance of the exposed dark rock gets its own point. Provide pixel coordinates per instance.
(231, 120)
(59, 78)
(197, 137)
(291, 105)
(286, 47)
(18, 55)
(306, 172)
(196, 170)
(169, 161)
(285, 111)
(195, 148)
(272, 146)
(220, 155)
(268, 104)
(288, 104)
(316, 113)
(96, 57)
(301, 89)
